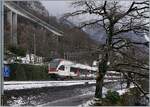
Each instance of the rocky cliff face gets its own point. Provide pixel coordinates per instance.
(38, 7)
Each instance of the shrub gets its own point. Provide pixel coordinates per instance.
(112, 96)
(28, 72)
(20, 73)
(19, 51)
(131, 97)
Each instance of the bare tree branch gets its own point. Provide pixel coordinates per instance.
(138, 86)
(116, 22)
(90, 23)
(132, 65)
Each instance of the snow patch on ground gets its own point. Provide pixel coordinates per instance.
(15, 85)
(120, 91)
(18, 85)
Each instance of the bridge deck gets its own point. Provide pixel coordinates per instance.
(22, 12)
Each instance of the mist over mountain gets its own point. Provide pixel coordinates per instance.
(97, 34)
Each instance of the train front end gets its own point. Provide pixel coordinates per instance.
(52, 66)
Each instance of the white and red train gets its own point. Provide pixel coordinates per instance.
(68, 69)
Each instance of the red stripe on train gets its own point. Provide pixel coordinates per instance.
(52, 70)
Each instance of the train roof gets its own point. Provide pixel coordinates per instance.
(77, 65)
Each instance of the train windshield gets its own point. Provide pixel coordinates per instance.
(54, 63)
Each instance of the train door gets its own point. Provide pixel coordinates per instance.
(78, 72)
(64, 70)
(68, 73)
(61, 68)
(68, 70)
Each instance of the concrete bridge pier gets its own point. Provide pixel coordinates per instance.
(12, 21)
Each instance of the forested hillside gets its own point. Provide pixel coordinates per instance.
(74, 45)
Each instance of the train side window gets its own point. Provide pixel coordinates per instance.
(72, 69)
(62, 67)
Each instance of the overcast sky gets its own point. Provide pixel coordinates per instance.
(57, 8)
(60, 7)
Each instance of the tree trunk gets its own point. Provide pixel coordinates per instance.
(99, 86)
(128, 81)
(102, 67)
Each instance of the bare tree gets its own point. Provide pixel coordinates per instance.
(120, 24)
